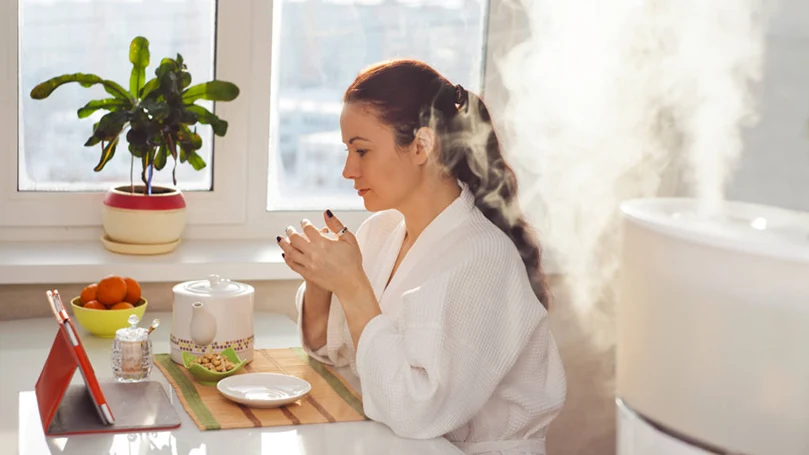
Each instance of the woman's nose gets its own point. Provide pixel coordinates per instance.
(351, 170)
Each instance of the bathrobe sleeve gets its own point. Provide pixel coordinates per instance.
(431, 369)
(338, 349)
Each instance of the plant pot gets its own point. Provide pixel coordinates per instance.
(135, 223)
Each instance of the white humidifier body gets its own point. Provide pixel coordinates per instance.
(713, 329)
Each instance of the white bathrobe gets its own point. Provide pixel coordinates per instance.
(462, 348)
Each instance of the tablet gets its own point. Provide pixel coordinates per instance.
(72, 337)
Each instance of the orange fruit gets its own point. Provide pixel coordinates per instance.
(89, 293)
(111, 290)
(94, 305)
(133, 292)
(122, 306)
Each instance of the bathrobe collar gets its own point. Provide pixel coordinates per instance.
(456, 213)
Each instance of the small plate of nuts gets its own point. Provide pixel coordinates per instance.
(211, 367)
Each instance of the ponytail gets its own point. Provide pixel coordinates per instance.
(472, 154)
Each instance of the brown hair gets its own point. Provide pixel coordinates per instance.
(407, 95)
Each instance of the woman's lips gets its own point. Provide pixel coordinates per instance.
(362, 192)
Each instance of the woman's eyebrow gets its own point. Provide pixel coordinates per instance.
(356, 138)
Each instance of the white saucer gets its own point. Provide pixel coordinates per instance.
(263, 390)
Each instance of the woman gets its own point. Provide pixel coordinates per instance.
(438, 303)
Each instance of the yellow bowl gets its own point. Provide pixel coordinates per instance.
(104, 323)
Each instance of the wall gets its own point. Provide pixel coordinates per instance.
(27, 301)
(774, 168)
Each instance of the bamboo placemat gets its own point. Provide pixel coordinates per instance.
(330, 400)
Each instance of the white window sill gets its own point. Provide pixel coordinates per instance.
(85, 261)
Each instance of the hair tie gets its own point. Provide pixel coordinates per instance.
(461, 96)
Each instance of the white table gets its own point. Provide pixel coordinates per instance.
(24, 344)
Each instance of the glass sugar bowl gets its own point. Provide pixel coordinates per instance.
(132, 352)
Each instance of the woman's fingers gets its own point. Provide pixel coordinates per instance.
(297, 240)
(293, 247)
(332, 222)
(307, 252)
(310, 231)
(295, 266)
(338, 227)
(317, 258)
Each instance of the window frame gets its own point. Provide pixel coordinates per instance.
(82, 208)
(236, 208)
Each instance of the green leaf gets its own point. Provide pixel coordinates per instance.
(167, 65)
(211, 91)
(188, 139)
(93, 140)
(136, 151)
(157, 109)
(110, 104)
(149, 87)
(139, 57)
(168, 89)
(196, 161)
(206, 117)
(161, 158)
(185, 80)
(44, 89)
(110, 125)
(187, 117)
(106, 154)
(137, 137)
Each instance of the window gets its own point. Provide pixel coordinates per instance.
(323, 45)
(48, 179)
(59, 37)
(282, 156)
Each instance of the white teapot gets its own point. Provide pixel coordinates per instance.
(210, 316)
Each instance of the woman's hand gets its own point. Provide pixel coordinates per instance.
(312, 287)
(332, 264)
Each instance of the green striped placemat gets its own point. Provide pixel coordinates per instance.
(331, 399)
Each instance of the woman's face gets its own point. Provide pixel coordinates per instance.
(383, 174)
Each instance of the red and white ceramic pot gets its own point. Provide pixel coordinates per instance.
(134, 218)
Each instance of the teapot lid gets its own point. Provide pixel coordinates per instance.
(215, 286)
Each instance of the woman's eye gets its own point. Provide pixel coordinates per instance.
(360, 152)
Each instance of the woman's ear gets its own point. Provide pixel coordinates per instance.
(425, 145)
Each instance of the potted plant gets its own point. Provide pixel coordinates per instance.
(156, 117)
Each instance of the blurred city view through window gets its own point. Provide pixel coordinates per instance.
(323, 45)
